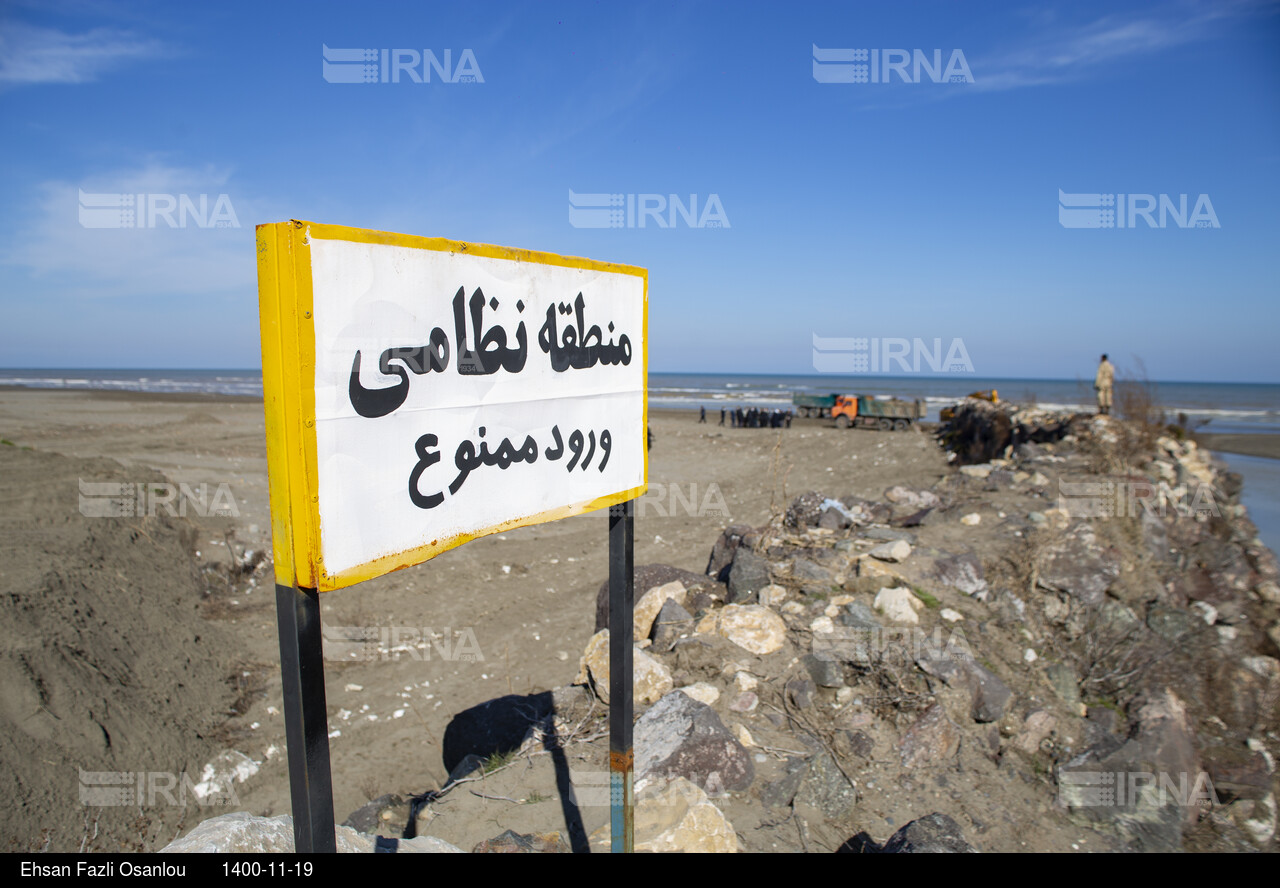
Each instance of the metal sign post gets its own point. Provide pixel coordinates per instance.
(622, 525)
(419, 393)
(306, 721)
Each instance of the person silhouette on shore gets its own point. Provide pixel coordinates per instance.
(702, 414)
(1102, 384)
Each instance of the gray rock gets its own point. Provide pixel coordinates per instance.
(826, 672)
(680, 737)
(747, 576)
(368, 818)
(1117, 618)
(961, 572)
(469, 764)
(935, 834)
(805, 510)
(781, 792)
(990, 696)
(800, 692)
(858, 743)
(854, 639)
(859, 616)
(242, 833)
(999, 479)
(834, 519)
(824, 787)
(1065, 684)
(931, 740)
(1117, 787)
(915, 519)
(809, 571)
(1079, 566)
(1172, 624)
(672, 622)
(1154, 536)
(1237, 773)
(723, 551)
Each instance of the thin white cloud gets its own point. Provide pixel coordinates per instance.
(1062, 54)
(55, 251)
(30, 54)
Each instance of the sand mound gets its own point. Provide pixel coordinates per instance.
(105, 663)
(200, 419)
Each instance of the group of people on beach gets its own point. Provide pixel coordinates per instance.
(751, 418)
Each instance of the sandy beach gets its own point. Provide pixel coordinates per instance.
(528, 596)
(527, 599)
(1247, 445)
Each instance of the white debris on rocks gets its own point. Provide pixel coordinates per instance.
(899, 604)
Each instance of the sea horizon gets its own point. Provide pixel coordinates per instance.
(1224, 407)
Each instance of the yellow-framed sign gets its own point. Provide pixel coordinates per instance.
(422, 392)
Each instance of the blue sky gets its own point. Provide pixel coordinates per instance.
(894, 209)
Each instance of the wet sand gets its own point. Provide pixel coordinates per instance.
(1246, 445)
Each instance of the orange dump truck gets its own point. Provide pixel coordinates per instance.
(891, 414)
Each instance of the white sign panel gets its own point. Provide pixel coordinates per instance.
(458, 390)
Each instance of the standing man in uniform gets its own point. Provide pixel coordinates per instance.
(1102, 385)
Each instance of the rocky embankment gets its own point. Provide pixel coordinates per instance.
(1068, 643)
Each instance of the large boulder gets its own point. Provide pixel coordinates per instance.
(680, 737)
(935, 834)
(1146, 789)
(650, 678)
(748, 574)
(649, 576)
(1078, 565)
(675, 817)
(242, 833)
